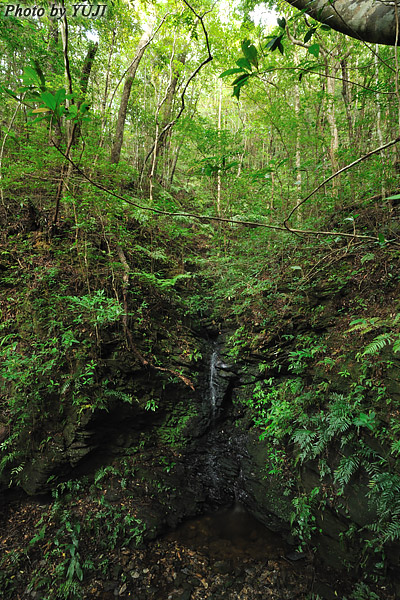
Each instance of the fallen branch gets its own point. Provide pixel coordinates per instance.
(206, 218)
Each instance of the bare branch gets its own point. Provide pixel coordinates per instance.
(342, 170)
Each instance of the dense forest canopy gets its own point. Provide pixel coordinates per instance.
(141, 86)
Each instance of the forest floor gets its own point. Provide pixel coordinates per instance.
(170, 568)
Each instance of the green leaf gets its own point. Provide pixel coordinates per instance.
(84, 107)
(30, 77)
(60, 96)
(367, 257)
(274, 43)
(79, 572)
(281, 22)
(364, 420)
(40, 75)
(239, 83)
(326, 28)
(381, 239)
(49, 100)
(231, 72)
(395, 197)
(309, 34)
(314, 50)
(73, 111)
(241, 80)
(244, 63)
(250, 52)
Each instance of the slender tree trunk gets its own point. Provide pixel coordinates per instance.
(107, 82)
(84, 82)
(379, 123)
(298, 148)
(74, 130)
(219, 144)
(330, 72)
(167, 110)
(126, 92)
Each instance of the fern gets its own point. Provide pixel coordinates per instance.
(378, 344)
(384, 496)
(396, 344)
(346, 469)
(154, 254)
(305, 439)
(162, 284)
(365, 325)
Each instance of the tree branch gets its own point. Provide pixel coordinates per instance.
(206, 218)
(209, 58)
(342, 170)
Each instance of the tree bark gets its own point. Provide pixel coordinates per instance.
(126, 92)
(369, 20)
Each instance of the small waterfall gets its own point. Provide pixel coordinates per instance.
(212, 455)
(220, 469)
(213, 386)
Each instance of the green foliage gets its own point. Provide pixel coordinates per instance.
(362, 591)
(303, 518)
(95, 309)
(384, 496)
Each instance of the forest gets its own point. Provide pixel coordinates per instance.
(199, 300)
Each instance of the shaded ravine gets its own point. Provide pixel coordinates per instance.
(206, 557)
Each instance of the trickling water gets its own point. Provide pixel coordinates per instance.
(213, 385)
(212, 457)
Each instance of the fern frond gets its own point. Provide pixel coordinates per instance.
(346, 469)
(365, 325)
(378, 344)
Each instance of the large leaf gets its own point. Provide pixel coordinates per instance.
(250, 52)
(244, 63)
(231, 72)
(60, 95)
(239, 83)
(309, 34)
(42, 109)
(48, 100)
(30, 77)
(314, 50)
(40, 76)
(274, 43)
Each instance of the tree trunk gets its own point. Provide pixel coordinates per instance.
(84, 82)
(369, 20)
(168, 107)
(123, 107)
